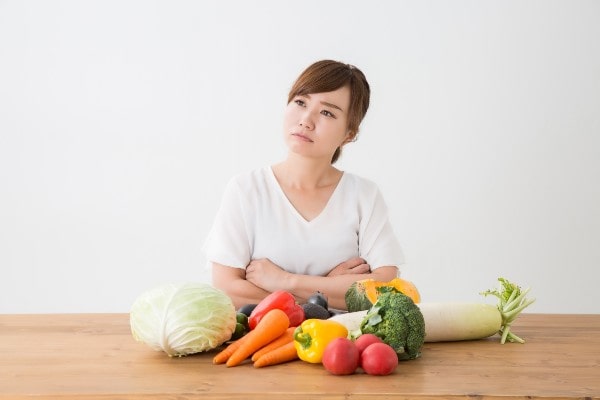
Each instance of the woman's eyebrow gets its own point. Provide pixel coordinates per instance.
(331, 105)
(325, 103)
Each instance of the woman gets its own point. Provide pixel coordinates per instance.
(303, 225)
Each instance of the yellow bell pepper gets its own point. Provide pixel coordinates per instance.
(313, 335)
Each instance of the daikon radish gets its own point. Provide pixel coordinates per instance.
(454, 321)
(459, 321)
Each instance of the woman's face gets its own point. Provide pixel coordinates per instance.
(316, 124)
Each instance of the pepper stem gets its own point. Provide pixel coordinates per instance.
(303, 338)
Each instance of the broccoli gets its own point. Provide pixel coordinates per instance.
(397, 321)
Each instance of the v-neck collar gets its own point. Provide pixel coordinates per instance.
(291, 206)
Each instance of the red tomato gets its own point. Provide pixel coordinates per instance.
(341, 357)
(379, 359)
(363, 341)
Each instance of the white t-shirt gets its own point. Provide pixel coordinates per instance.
(256, 220)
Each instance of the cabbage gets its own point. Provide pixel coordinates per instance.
(183, 319)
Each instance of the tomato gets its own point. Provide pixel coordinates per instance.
(363, 341)
(341, 357)
(379, 359)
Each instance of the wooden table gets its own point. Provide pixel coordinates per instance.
(93, 356)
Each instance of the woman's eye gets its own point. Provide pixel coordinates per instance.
(327, 113)
(299, 102)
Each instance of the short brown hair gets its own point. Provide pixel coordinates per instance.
(327, 76)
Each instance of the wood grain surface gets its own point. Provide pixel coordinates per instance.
(94, 356)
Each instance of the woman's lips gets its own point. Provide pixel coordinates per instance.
(302, 137)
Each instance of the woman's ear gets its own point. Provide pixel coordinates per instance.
(350, 137)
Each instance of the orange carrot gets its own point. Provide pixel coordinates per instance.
(285, 338)
(280, 355)
(270, 327)
(224, 355)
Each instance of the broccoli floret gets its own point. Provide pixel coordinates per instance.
(397, 321)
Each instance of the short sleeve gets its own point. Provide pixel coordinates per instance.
(378, 243)
(228, 242)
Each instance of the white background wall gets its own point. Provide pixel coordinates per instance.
(121, 121)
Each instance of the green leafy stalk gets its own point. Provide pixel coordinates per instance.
(511, 301)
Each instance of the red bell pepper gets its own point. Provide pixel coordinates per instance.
(282, 300)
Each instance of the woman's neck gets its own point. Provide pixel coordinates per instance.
(303, 173)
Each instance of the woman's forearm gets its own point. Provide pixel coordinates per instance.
(243, 292)
(262, 277)
(233, 283)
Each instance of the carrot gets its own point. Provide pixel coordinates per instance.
(286, 337)
(282, 354)
(224, 355)
(270, 327)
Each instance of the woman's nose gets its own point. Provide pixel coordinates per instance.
(306, 121)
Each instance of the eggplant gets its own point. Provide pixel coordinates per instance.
(319, 299)
(247, 309)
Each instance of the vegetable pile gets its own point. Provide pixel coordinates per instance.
(317, 341)
(279, 330)
(390, 325)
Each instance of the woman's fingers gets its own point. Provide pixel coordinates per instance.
(362, 269)
(355, 265)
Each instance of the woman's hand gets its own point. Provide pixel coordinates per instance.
(355, 265)
(265, 274)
